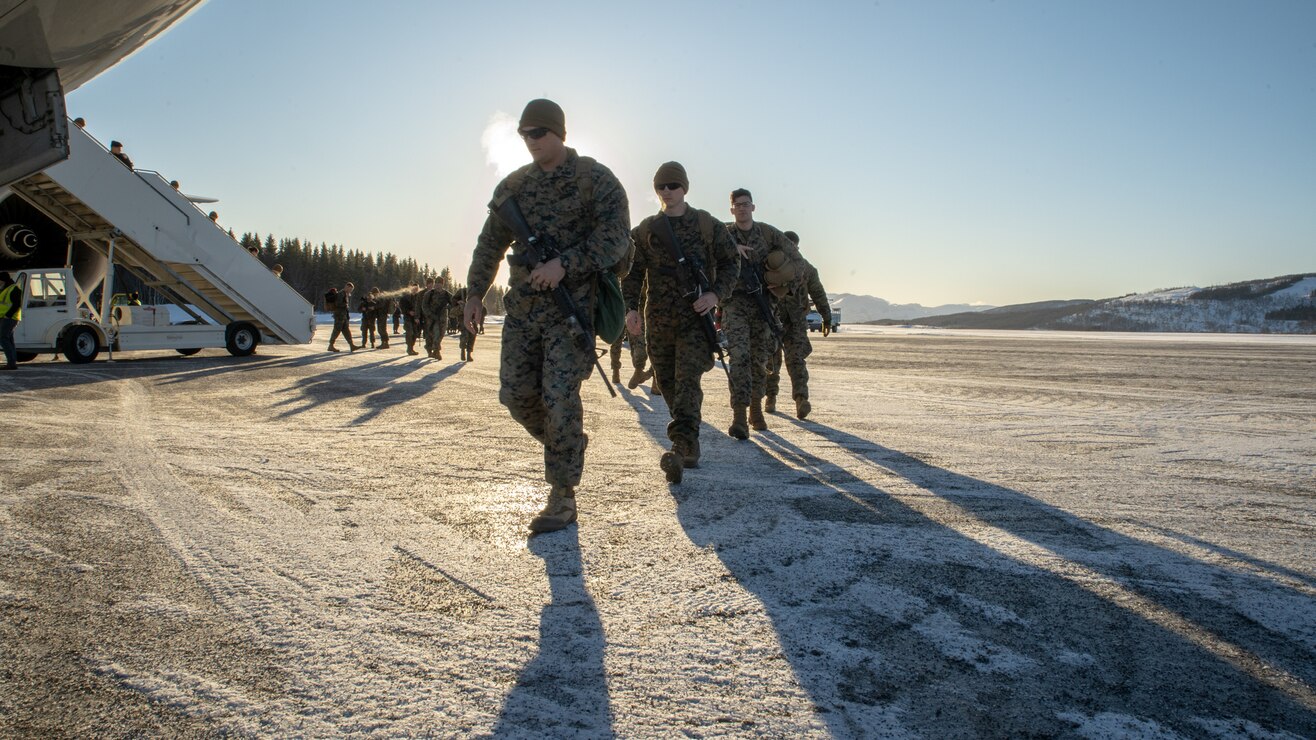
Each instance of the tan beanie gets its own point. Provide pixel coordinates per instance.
(546, 113)
(672, 172)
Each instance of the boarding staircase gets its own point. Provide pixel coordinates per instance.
(143, 225)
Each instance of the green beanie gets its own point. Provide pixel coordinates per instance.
(672, 172)
(546, 113)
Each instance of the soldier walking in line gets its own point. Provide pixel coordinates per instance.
(639, 356)
(341, 318)
(434, 304)
(367, 308)
(467, 337)
(669, 248)
(793, 310)
(577, 204)
(383, 305)
(407, 305)
(750, 341)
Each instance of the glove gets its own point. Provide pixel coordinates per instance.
(826, 328)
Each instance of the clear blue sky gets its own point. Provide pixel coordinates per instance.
(930, 152)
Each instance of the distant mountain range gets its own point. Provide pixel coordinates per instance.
(862, 309)
(1281, 305)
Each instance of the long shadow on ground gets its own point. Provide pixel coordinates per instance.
(895, 620)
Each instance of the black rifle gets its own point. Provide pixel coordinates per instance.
(690, 271)
(752, 274)
(535, 250)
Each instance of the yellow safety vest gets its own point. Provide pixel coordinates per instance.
(6, 301)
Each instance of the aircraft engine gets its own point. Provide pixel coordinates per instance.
(18, 241)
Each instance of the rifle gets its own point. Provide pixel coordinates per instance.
(752, 274)
(690, 271)
(536, 250)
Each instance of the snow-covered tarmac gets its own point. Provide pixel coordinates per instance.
(974, 534)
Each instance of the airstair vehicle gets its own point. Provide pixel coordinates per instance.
(119, 219)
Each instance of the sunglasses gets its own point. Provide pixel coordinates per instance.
(668, 186)
(533, 133)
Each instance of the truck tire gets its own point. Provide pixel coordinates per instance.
(25, 356)
(189, 351)
(80, 345)
(241, 339)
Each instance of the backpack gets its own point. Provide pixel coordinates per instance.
(331, 299)
(609, 304)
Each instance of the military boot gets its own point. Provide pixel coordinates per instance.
(637, 377)
(654, 387)
(672, 464)
(770, 403)
(802, 407)
(739, 428)
(616, 375)
(559, 512)
(689, 452)
(463, 354)
(756, 420)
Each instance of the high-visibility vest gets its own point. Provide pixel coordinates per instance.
(6, 301)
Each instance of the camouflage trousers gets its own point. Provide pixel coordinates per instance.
(639, 355)
(541, 370)
(680, 356)
(381, 326)
(341, 327)
(795, 346)
(435, 328)
(749, 348)
(467, 339)
(410, 329)
(367, 329)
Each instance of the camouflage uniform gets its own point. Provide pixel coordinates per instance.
(383, 306)
(677, 345)
(366, 305)
(467, 339)
(750, 343)
(542, 366)
(407, 304)
(342, 323)
(639, 355)
(434, 305)
(792, 311)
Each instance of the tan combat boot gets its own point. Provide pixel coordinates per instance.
(639, 376)
(689, 452)
(739, 428)
(672, 464)
(802, 407)
(559, 512)
(756, 420)
(770, 403)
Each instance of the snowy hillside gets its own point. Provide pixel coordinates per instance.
(1282, 305)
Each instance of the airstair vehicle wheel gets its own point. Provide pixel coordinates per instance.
(242, 339)
(189, 351)
(80, 345)
(25, 356)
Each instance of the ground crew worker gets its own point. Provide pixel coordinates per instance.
(750, 342)
(434, 304)
(793, 310)
(578, 204)
(678, 347)
(11, 312)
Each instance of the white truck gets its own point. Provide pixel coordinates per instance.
(113, 219)
(814, 320)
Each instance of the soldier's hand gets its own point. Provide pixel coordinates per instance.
(547, 275)
(744, 250)
(633, 326)
(826, 328)
(705, 302)
(473, 314)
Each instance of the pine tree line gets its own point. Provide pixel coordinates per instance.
(311, 270)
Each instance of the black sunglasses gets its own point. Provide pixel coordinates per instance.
(533, 133)
(669, 186)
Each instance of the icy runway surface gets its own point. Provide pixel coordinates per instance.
(973, 534)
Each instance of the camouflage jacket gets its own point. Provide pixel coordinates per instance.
(810, 287)
(762, 239)
(591, 236)
(655, 266)
(434, 302)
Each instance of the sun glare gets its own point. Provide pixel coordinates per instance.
(502, 146)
